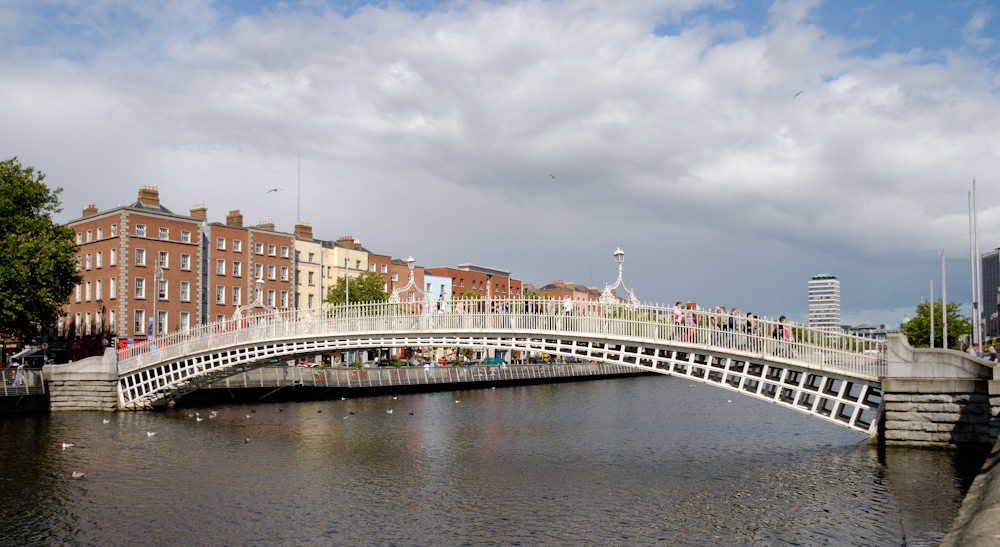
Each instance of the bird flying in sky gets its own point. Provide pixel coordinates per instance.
(273, 190)
(797, 94)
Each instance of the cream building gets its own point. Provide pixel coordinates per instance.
(310, 288)
(344, 256)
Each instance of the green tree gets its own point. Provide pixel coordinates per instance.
(38, 267)
(366, 287)
(918, 328)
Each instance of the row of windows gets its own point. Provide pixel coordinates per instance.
(85, 326)
(220, 296)
(140, 231)
(220, 244)
(94, 290)
(163, 259)
(258, 270)
(140, 326)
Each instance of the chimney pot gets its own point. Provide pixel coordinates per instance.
(149, 195)
(234, 219)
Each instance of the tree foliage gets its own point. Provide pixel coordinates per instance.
(366, 287)
(37, 257)
(917, 329)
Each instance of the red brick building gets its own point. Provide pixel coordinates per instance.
(149, 271)
(141, 271)
(481, 280)
(238, 257)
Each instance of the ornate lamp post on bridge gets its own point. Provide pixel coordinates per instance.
(394, 297)
(608, 294)
(258, 301)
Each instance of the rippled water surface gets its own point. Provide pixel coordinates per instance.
(612, 462)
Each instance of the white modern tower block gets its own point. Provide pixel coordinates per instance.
(824, 302)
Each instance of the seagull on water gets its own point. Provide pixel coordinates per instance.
(388, 411)
(456, 400)
(150, 433)
(107, 421)
(393, 397)
(199, 418)
(78, 474)
(67, 445)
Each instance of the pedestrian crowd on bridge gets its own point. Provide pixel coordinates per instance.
(733, 328)
(990, 354)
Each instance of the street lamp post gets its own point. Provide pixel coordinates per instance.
(157, 275)
(608, 294)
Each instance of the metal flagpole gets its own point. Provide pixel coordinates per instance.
(932, 313)
(972, 264)
(979, 269)
(944, 306)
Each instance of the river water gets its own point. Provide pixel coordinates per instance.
(611, 462)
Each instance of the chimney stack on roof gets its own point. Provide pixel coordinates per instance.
(149, 195)
(199, 211)
(90, 210)
(303, 229)
(234, 219)
(349, 241)
(266, 224)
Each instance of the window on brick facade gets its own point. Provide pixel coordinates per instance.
(185, 236)
(185, 262)
(185, 291)
(140, 230)
(237, 245)
(164, 233)
(140, 322)
(220, 267)
(140, 257)
(140, 287)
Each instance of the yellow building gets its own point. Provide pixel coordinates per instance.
(345, 256)
(309, 286)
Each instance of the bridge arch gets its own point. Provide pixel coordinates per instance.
(834, 378)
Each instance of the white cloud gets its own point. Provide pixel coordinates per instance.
(434, 134)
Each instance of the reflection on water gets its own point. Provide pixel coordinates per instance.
(637, 460)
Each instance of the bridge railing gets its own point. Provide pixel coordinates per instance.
(617, 322)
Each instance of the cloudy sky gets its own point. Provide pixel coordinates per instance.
(732, 148)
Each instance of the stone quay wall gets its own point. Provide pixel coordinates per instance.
(939, 398)
(89, 384)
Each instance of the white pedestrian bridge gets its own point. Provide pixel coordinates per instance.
(832, 376)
